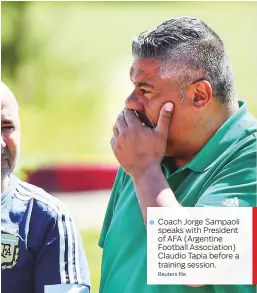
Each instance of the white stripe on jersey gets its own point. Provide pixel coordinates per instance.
(60, 208)
(77, 259)
(62, 250)
(71, 227)
(70, 252)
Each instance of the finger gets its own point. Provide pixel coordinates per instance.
(115, 130)
(121, 123)
(131, 118)
(164, 119)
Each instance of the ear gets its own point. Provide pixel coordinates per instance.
(199, 93)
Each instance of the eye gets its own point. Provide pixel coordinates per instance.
(145, 91)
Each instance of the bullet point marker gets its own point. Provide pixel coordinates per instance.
(151, 222)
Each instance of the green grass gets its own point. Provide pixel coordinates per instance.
(94, 254)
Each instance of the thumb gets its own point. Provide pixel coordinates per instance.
(164, 119)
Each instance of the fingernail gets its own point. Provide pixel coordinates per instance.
(168, 107)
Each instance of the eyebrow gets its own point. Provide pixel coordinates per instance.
(142, 84)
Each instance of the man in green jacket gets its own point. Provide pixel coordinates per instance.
(201, 151)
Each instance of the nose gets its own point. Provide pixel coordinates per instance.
(134, 102)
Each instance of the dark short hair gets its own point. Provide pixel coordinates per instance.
(196, 49)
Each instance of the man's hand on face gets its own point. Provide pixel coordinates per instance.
(137, 147)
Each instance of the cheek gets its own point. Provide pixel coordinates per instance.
(182, 123)
(12, 142)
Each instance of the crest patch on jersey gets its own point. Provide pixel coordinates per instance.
(9, 250)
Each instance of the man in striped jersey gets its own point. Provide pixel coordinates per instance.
(41, 249)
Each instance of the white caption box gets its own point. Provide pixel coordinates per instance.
(193, 246)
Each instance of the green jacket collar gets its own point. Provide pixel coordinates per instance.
(228, 134)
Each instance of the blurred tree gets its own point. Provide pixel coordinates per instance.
(13, 16)
(68, 65)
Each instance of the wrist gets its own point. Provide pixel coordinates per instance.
(146, 172)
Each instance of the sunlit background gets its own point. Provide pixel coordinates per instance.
(68, 65)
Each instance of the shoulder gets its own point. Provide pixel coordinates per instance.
(40, 200)
(245, 150)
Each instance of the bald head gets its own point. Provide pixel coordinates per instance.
(10, 134)
(7, 97)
